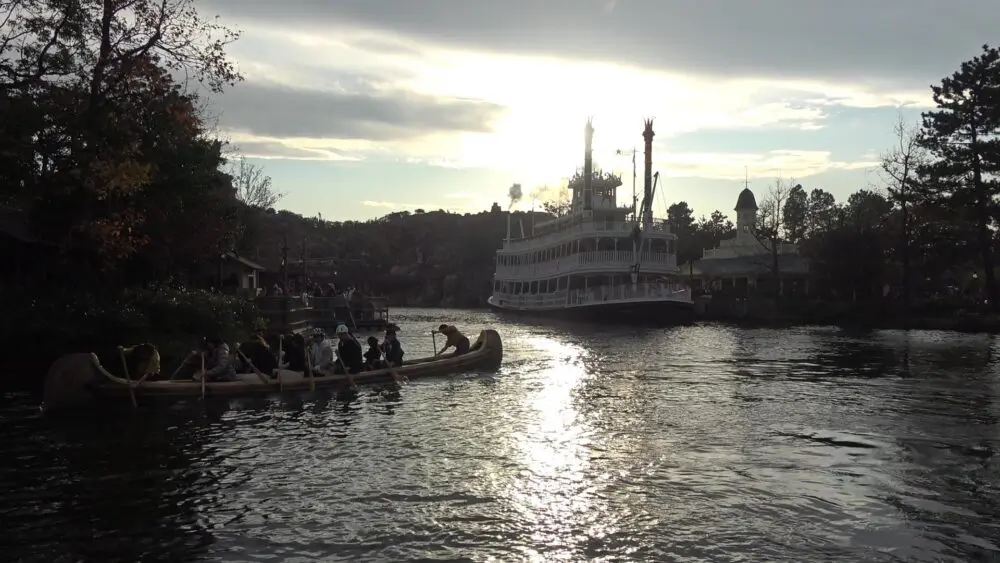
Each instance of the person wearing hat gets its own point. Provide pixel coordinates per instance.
(453, 338)
(349, 351)
(323, 360)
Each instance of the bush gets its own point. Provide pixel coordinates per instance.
(44, 328)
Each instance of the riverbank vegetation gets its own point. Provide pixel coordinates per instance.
(921, 242)
(110, 177)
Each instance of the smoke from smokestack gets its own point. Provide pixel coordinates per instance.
(515, 194)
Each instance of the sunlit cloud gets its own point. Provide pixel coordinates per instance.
(503, 93)
(736, 166)
(423, 104)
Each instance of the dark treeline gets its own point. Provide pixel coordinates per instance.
(928, 230)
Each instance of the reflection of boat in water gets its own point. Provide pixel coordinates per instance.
(81, 379)
(598, 261)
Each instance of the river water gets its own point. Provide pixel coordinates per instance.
(703, 443)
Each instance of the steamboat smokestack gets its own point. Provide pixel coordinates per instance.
(588, 166)
(647, 178)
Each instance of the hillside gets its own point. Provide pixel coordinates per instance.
(418, 259)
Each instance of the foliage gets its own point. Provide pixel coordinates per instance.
(111, 160)
(105, 150)
(253, 187)
(899, 169)
(407, 255)
(962, 137)
(45, 326)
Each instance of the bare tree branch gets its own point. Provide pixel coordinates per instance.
(253, 187)
(769, 224)
(899, 168)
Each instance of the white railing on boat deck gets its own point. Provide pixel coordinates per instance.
(659, 229)
(595, 295)
(597, 261)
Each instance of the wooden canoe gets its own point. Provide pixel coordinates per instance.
(486, 357)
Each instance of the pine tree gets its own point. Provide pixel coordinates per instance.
(962, 139)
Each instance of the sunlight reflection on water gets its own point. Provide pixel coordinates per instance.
(705, 443)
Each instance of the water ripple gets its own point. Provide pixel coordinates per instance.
(706, 443)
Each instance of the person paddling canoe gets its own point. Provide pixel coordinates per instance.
(454, 338)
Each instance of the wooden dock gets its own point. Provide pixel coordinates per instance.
(290, 313)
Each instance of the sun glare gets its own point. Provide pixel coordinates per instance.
(540, 135)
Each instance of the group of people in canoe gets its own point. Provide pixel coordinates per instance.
(343, 355)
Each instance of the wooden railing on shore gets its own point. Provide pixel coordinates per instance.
(292, 313)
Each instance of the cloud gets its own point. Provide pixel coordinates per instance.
(736, 166)
(359, 112)
(874, 43)
(271, 149)
(352, 89)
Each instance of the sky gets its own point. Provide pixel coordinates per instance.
(358, 108)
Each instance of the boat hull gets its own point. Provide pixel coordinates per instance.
(103, 386)
(654, 313)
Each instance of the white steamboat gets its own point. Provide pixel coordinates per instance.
(598, 261)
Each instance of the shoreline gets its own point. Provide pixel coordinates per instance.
(965, 326)
(968, 323)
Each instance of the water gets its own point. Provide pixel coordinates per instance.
(593, 443)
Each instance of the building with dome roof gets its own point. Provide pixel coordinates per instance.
(744, 262)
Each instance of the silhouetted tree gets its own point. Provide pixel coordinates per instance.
(962, 139)
(682, 223)
(795, 214)
(253, 187)
(899, 166)
(768, 229)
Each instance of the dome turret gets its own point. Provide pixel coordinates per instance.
(746, 201)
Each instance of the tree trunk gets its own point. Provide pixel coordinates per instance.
(905, 211)
(983, 220)
(776, 275)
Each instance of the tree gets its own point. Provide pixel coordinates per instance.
(822, 211)
(253, 187)
(961, 137)
(768, 229)
(100, 143)
(898, 168)
(36, 38)
(680, 217)
(554, 200)
(795, 214)
(714, 229)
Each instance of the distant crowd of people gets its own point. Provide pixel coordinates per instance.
(312, 289)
